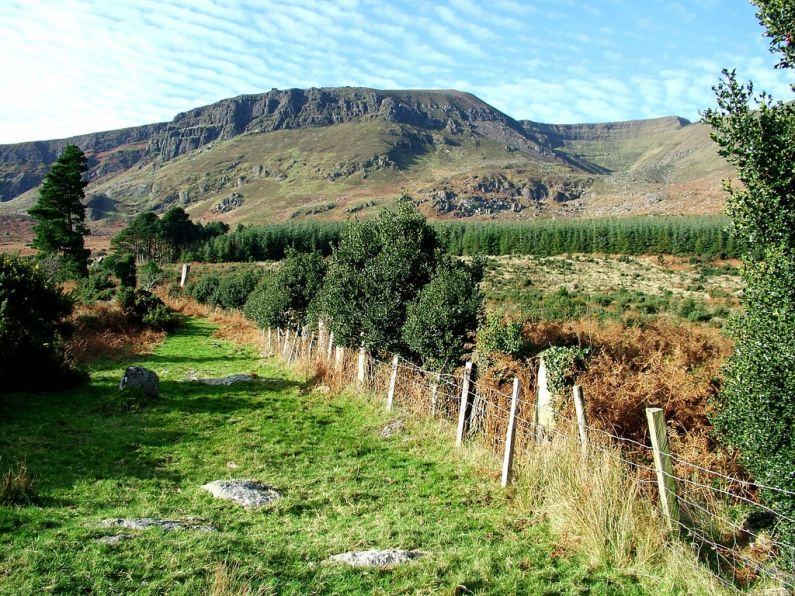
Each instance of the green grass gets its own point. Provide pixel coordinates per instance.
(344, 488)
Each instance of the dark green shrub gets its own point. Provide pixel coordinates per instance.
(144, 308)
(377, 270)
(757, 412)
(445, 313)
(235, 287)
(205, 290)
(497, 335)
(97, 286)
(150, 276)
(757, 406)
(33, 312)
(283, 298)
(125, 269)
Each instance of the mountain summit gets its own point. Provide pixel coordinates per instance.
(331, 152)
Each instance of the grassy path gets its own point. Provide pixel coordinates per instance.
(345, 488)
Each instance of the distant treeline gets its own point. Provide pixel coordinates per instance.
(702, 236)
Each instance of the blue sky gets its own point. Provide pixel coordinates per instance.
(76, 66)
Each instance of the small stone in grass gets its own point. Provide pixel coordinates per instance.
(393, 428)
(376, 558)
(113, 538)
(248, 493)
(144, 523)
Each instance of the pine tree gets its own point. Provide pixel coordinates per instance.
(60, 213)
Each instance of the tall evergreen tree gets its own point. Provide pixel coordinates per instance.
(60, 214)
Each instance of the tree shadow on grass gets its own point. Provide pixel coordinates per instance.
(74, 436)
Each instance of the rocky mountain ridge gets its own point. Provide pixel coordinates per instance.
(451, 147)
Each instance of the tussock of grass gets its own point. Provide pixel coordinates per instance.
(17, 486)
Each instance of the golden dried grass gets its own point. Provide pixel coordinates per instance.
(102, 332)
(232, 324)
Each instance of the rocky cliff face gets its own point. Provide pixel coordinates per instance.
(298, 108)
(23, 165)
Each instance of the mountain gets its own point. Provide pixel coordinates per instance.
(327, 153)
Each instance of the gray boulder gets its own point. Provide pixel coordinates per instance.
(376, 558)
(248, 493)
(141, 379)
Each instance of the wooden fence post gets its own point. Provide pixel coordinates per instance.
(270, 344)
(392, 381)
(545, 414)
(286, 342)
(462, 414)
(582, 426)
(183, 278)
(361, 366)
(292, 347)
(308, 352)
(330, 345)
(664, 467)
(339, 354)
(321, 337)
(510, 436)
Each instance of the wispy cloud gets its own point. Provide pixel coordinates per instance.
(88, 65)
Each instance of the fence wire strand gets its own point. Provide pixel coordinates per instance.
(489, 411)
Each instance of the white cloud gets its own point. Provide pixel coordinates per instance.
(81, 66)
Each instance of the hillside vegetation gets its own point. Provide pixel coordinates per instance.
(330, 153)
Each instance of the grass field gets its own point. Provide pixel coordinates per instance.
(345, 488)
(612, 287)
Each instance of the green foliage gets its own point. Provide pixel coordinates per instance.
(164, 239)
(377, 270)
(235, 288)
(123, 266)
(498, 335)
(205, 290)
(97, 286)
(757, 404)
(32, 325)
(144, 308)
(270, 243)
(562, 362)
(706, 237)
(444, 314)
(60, 213)
(283, 298)
(702, 236)
(150, 276)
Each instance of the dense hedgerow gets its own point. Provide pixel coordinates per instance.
(235, 287)
(444, 313)
(377, 270)
(205, 289)
(33, 313)
(283, 298)
(757, 405)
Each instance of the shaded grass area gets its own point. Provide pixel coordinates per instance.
(345, 488)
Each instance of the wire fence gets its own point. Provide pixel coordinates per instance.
(734, 535)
